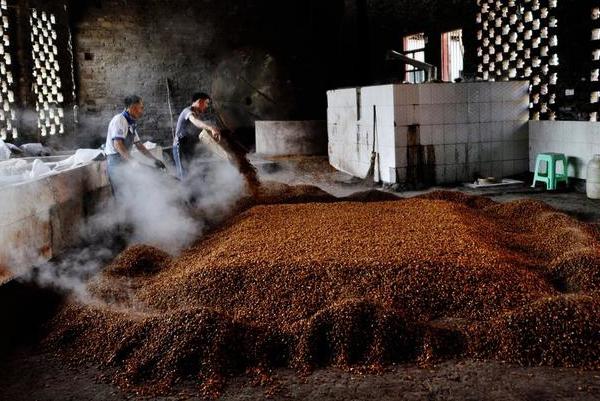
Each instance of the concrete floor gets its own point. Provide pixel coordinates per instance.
(28, 373)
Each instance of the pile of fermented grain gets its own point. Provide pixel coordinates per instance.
(350, 284)
(5, 274)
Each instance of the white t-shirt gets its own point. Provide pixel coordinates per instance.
(120, 128)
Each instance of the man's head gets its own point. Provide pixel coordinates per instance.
(200, 101)
(134, 106)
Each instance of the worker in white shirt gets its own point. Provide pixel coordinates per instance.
(122, 135)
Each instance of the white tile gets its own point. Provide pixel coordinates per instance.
(333, 115)
(497, 151)
(521, 131)
(406, 94)
(516, 90)
(486, 169)
(462, 173)
(437, 134)
(507, 150)
(474, 134)
(342, 98)
(576, 134)
(425, 93)
(401, 135)
(521, 166)
(485, 91)
(449, 154)
(437, 116)
(380, 95)
(440, 154)
(400, 174)
(387, 156)
(591, 136)
(414, 114)
(449, 113)
(462, 133)
(385, 115)
(460, 93)
(486, 132)
(449, 133)
(473, 152)
(444, 93)
(496, 112)
(507, 168)
(520, 149)
(473, 112)
(496, 130)
(473, 171)
(425, 133)
(485, 112)
(486, 151)
(383, 174)
(497, 169)
(512, 110)
(497, 92)
(450, 173)
(594, 128)
(425, 114)
(523, 116)
(400, 115)
(461, 153)
(508, 131)
(401, 157)
(440, 176)
(473, 92)
(461, 113)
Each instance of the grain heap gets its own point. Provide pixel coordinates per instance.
(5, 274)
(352, 284)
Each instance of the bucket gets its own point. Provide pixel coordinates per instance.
(592, 183)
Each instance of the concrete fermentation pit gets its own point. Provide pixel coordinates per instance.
(288, 138)
(41, 215)
(39, 218)
(432, 133)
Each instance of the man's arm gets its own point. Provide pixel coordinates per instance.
(213, 130)
(119, 145)
(140, 146)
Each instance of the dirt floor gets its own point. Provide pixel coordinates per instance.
(27, 373)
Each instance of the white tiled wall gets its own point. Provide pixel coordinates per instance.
(578, 140)
(474, 128)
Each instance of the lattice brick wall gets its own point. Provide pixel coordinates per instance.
(46, 79)
(594, 74)
(517, 40)
(7, 96)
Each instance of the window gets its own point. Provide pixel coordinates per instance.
(46, 79)
(7, 96)
(452, 55)
(414, 47)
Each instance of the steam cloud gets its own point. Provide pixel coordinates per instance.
(153, 208)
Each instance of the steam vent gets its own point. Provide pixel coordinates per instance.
(300, 200)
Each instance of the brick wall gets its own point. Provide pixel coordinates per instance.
(243, 52)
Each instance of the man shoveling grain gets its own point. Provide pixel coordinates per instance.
(196, 125)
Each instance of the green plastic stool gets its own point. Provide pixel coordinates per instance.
(551, 178)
